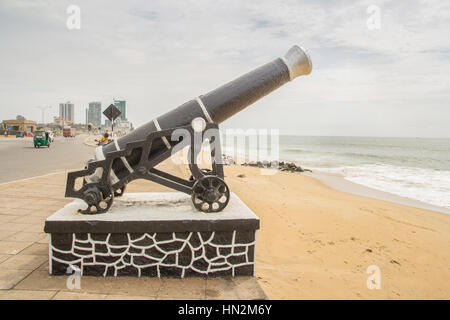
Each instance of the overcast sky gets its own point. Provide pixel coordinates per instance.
(392, 81)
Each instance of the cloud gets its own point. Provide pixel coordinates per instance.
(159, 54)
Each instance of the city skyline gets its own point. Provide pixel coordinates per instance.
(69, 108)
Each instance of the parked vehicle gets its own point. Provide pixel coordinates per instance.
(69, 132)
(41, 139)
(20, 134)
(51, 136)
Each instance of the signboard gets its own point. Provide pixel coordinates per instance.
(112, 112)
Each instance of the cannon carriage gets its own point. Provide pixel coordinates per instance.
(136, 155)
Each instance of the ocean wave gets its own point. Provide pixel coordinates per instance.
(331, 158)
(426, 185)
(413, 168)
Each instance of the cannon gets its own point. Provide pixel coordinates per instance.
(135, 155)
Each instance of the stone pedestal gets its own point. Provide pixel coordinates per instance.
(154, 235)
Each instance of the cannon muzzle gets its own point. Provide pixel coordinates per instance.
(298, 62)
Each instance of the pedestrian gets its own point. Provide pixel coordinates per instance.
(104, 139)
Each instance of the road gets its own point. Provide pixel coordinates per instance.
(20, 160)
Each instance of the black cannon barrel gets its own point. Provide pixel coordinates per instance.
(221, 103)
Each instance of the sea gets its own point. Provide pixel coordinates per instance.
(415, 168)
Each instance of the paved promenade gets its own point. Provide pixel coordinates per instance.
(24, 206)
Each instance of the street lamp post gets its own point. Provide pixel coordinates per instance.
(43, 112)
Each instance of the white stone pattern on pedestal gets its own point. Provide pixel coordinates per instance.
(176, 254)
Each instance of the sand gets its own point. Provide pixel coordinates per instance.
(317, 243)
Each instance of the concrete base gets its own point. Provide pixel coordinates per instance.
(155, 235)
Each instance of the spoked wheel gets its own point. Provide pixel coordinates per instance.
(119, 192)
(210, 194)
(98, 199)
(204, 171)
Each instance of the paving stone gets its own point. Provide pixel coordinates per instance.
(187, 288)
(221, 289)
(36, 249)
(12, 247)
(23, 262)
(248, 288)
(44, 267)
(9, 278)
(10, 226)
(179, 298)
(44, 205)
(26, 295)
(5, 234)
(131, 286)
(64, 295)
(44, 240)
(7, 218)
(15, 211)
(239, 288)
(26, 236)
(124, 297)
(45, 213)
(10, 204)
(29, 219)
(4, 257)
(40, 280)
(34, 228)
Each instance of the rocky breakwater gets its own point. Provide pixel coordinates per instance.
(281, 165)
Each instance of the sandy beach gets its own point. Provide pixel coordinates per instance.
(316, 242)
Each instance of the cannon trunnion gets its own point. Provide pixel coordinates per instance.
(136, 155)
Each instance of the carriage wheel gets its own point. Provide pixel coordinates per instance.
(210, 194)
(98, 199)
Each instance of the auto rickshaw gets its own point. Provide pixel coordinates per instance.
(41, 139)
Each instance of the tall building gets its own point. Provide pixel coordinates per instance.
(67, 111)
(61, 110)
(94, 114)
(122, 106)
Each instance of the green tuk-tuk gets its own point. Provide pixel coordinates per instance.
(20, 134)
(41, 139)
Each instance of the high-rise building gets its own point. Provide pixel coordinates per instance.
(94, 114)
(67, 111)
(61, 110)
(122, 106)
